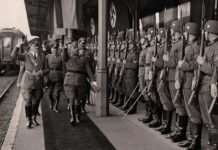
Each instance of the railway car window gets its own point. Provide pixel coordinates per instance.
(7, 42)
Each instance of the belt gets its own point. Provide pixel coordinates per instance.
(76, 71)
(147, 64)
(55, 69)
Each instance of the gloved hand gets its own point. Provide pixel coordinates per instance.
(150, 75)
(193, 84)
(154, 59)
(200, 60)
(213, 90)
(177, 85)
(165, 57)
(180, 63)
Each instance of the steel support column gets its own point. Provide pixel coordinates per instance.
(102, 104)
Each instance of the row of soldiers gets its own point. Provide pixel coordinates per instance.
(173, 75)
(56, 66)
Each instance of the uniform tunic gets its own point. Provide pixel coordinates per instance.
(188, 67)
(131, 73)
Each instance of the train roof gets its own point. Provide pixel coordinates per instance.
(11, 30)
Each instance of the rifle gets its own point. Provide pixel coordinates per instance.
(194, 92)
(165, 69)
(179, 73)
(155, 55)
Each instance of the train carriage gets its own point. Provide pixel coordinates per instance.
(9, 37)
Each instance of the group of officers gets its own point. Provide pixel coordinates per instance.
(162, 70)
(56, 67)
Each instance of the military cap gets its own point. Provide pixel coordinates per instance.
(151, 31)
(211, 26)
(176, 26)
(161, 32)
(192, 28)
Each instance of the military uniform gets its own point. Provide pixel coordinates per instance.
(55, 79)
(189, 68)
(75, 82)
(32, 82)
(209, 73)
(174, 56)
(130, 75)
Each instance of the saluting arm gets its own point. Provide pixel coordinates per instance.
(15, 55)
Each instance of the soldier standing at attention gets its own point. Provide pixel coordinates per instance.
(32, 83)
(208, 68)
(189, 67)
(55, 77)
(131, 73)
(75, 82)
(172, 60)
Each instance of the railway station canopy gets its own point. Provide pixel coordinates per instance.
(55, 16)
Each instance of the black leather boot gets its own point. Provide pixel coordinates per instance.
(55, 108)
(51, 100)
(120, 101)
(181, 132)
(111, 95)
(78, 111)
(28, 111)
(134, 107)
(72, 115)
(115, 99)
(167, 123)
(126, 104)
(35, 112)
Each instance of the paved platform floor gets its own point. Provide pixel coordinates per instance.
(106, 133)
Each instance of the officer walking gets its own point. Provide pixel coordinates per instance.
(75, 82)
(32, 83)
(55, 77)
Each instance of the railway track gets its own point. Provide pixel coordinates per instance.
(8, 98)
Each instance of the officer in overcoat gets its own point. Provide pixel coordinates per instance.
(32, 83)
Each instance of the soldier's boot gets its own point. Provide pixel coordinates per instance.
(157, 113)
(51, 101)
(115, 99)
(28, 111)
(134, 106)
(78, 111)
(181, 132)
(55, 108)
(126, 104)
(186, 143)
(148, 112)
(83, 106)
(120, 101)
(111, 94)
(196, 140)
(213, 138)
(35, 112)
(163, 120)
(167, 123)
(72, 115)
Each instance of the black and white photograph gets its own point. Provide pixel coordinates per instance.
(108, 75)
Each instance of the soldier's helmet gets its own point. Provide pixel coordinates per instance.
(82, 43)
(211, 26)
(192, 28)
(151, 31)
(176, 26)
(161, 32)
(131, 45)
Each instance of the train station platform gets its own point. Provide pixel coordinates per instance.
(93, 133)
